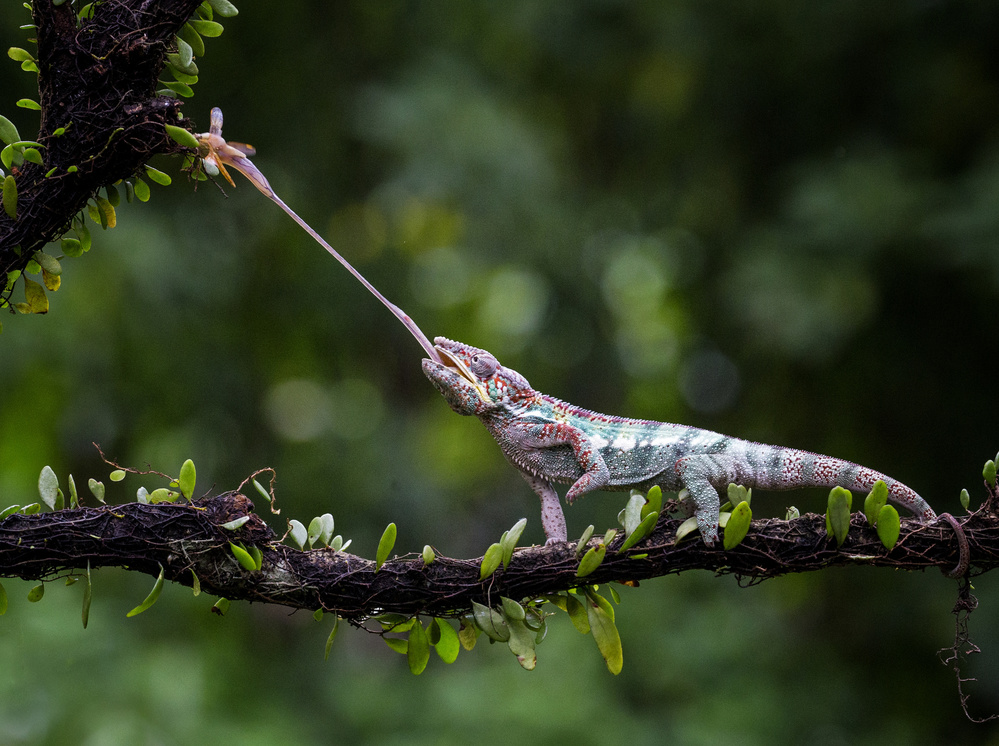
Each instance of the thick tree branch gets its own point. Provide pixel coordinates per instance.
(97, 80)
(185, 539)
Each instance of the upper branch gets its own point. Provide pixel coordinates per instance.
(190, 538)
(97, 80)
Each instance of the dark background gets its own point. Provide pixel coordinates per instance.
(776, 220)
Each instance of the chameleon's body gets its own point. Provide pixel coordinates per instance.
(550, 441)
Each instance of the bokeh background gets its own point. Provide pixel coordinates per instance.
(777, 220)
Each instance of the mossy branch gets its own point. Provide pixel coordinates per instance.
(101, 78)
(184, 538)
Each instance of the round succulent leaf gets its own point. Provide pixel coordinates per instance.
(491, 560)
(448, 644)
(36, 593)
(468, 633)
(491, 622)
(512, 610)
(738, 525)
(686, 528)
(988, 473)
(187, 479)
(591, 561)
(606, 636)
(965, 499)
(584, 540)
(888, 526)
(577, 613)
(223, 7)
(838, 514)
(96, 488)
(428, 554)
(654, 501)
(10, 195)
(298, 533)
(242, 557)
(876, 499)
(48, 486)
(329, 640)
(641, 531)
(522, 643)
(8, 132)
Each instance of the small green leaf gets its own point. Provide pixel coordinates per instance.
(31, 509)
(9, 510)
(838, 514)
(633, 513)
(185, 54)
(27, 103)
(965, 499)
(385, 545)
(888, 526)
(180, 136)
(654, 501)
(318, 615)
(605, 634)
(19, 55)
(577, 613)
(522, 642)
(224, 8)
(468, 633)
(181, 89)
(117, 475)
(158, 176)
(792, 513)
(141, 190)
(260, 489)
(329, 640)
(510, 539)
(989, 472)
(315, 530)
(737, 494)
(8, 132)
(188, 33)
(221, 606)
(584, 540)
(10, 196)
(491, 560)
(686, 528)
(235, 523)
(195, 584)
(162, 495)
(109, 218)
(447, 645)
(418, 651)
(591, 561)
(210, 29)
(96, 488)
(398, 645)
(491, 622)
(326, 534)
(151, 598)
(74, 497)
(642, 530)
(512, 610)
(258, 556)
(3, 600)
(187, 479)
(48, 486)
(298, 533)
(36, 593)
(428, 555)
(876, 499)
(88, 591)
(738, 525)
(32, 156)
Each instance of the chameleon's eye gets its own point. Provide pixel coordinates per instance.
(483, 365)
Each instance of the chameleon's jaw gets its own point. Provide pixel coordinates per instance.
(450, 360)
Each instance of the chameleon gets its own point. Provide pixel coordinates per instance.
(550, 441)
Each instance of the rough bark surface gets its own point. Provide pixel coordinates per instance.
(98, 79)
(190, 538)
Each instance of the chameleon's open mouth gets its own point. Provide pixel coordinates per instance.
(450, 360)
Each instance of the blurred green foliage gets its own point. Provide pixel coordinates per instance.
(775, 219)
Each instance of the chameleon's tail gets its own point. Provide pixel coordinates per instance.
(789, 467)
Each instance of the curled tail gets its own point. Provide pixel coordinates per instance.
(788, 468)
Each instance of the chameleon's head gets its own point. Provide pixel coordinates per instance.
(472, 381)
